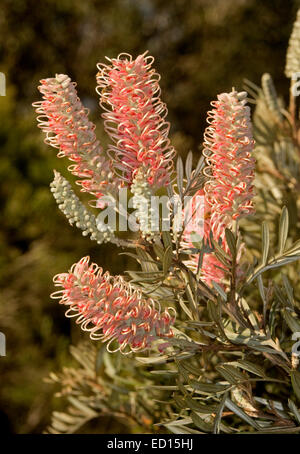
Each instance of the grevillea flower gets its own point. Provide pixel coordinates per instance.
(65, 121)
(141, 201)
(227, 147)
(135, 118)
(77, 214)
(197, 228)
(228, 191)
(110, 309)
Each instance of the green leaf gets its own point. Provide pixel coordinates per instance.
(219, 289)
(265, 242)
(213, 311)
(283, 229)
(184, 307)
(221, 252)
(263, 295)
(180, 402)
(251, 316)
(166, 237)
(250, 367)
(202, 425)
(159, 251)
(294, 250)
(231, 241)
(295, 378)
(182, 371)
(190, 368)
(180, 176)
(199, 166)
(189, 165)
(289, 289)
(85, 410)
(294, 410)
(239, 412)
(146, 261)
(163, 372)
(162, 359)
(217, 421)
(167, 260)
(231, 373)
(291, 320)
(193, 404)
(208, 388)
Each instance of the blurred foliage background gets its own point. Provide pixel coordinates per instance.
(201, 48)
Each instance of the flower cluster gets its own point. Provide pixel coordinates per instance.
(110, 309)
(135, 118)
(142, 193)
(76, 213)
(65, 121)
(228, 191)
(228, 146)
(140, 157)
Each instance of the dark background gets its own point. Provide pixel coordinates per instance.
(201, 48)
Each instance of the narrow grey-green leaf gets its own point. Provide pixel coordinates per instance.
(239, 412)
(294, 410)
(231, 241)
(193, 404)
(220, 250)
(289, 289)
(265, 242)
(167, 260)
(231, 373)
(220, 290)
(188, 166)
(283, 229)
(202, 425)
(180, 176)
(217, 421)
(87, 411)
(292, 320)
(180, 402)
(250, 367)
(208, 388)
(166, 237)
(263, 296)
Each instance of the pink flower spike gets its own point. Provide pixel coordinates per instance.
(65, 121)
(135, 118)
(228, 147)
(110, 309)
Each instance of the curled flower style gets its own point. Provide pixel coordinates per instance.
(65, 121)
(228, 145)
(135, 118)
(110, 309)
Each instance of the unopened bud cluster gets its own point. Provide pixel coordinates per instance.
(75, 211)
